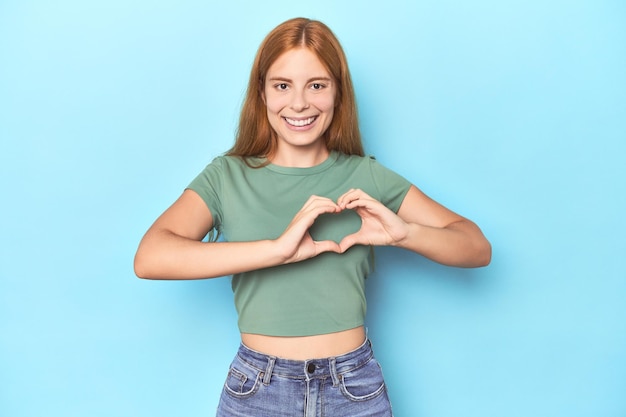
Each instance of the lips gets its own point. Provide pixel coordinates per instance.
(300, 122)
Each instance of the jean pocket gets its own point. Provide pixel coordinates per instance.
(242, 381)
(363, 383)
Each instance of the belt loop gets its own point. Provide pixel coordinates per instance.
(268, 371)
(332, 362)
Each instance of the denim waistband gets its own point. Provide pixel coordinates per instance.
(306, 369)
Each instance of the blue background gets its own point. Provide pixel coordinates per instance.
(511, 113)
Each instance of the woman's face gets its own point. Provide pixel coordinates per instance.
(299, 94)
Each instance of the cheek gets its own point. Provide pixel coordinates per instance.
(326, 104)
(273, 119)
(273, 105)
(270, 100)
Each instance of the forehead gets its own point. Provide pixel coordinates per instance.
(296, 62)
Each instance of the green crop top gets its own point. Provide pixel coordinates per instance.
(321, 295)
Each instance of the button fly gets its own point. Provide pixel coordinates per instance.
(310, 368)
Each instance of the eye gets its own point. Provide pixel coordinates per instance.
(317, 86)
(281, 86)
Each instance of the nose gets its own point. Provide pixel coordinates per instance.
(299, 101)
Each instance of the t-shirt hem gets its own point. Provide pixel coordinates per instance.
(299, 333)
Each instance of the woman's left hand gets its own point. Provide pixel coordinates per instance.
(380, 226)
(421, 225)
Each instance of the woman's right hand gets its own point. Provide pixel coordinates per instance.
(296, 243)
(173, 248)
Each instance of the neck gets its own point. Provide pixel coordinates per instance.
(300, 158)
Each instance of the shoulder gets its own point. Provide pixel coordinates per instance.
(224, 161)
(357, 162)
(230, 163)
(215, 172)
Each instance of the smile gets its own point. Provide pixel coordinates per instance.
(300, 123)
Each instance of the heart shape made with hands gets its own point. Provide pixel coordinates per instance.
(335, 226)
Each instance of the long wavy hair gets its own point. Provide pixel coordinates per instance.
(255, 136)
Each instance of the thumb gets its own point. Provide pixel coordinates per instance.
(327, 246)
(348, 241)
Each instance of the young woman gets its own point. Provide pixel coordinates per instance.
(299, 208)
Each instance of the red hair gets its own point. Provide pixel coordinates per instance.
(255, 136)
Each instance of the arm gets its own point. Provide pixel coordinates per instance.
(422, 226)
(440, 234)
(173, 249)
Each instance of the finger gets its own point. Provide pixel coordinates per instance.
(315, 200)
(322, 207)
(361, 203)
(305, 218)
(315, 209)
(327, 246)
(346, 197)
(315, 203)
(348, 241)
(351, 195)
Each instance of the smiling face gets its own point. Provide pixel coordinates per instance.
(299, 94)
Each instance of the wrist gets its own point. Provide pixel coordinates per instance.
(406, 241)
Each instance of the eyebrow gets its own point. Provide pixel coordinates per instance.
(327, 79)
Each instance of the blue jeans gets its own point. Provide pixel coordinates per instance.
(350, 385)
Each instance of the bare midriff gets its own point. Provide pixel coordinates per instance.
(306, 347)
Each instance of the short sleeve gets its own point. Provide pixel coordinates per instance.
(392, 187)
(209, 185)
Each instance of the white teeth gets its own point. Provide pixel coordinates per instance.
(300, 123)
